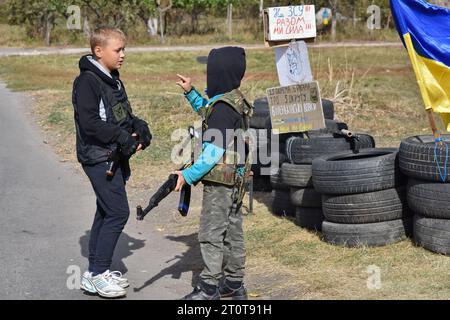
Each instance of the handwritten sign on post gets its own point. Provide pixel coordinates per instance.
(296, 108)
(293, 22)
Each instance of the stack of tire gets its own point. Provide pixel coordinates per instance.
(364, 198)
(261, 114)
(285, 201)
(427, 166)
(297, 173)
(306, 201)
(261, 123)
(281, 204)
(266, 175)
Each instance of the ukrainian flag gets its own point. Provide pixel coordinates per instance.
(425, 31)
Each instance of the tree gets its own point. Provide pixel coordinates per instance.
(38, 17)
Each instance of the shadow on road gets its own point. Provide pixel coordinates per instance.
(125, 248)
(189, 261)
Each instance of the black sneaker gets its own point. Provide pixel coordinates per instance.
(199, 294)
(235, 294)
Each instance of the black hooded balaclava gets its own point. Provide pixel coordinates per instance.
(225, 71)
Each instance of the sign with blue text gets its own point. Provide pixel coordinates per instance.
(296, 108)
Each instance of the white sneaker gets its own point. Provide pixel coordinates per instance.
(106, 287)
(118, 279)
(86, 283)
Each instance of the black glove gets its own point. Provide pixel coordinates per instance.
(128, 144)
(144, 135)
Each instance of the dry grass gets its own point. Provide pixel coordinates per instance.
(375, 92)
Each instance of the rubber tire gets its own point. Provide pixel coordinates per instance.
(260, 113)
(261, 107)
(282, 205)
(296, 175)
(429, 199)
(417, 158)
(263, 138)
(348, 173)
(304, 151)
(372, 207)
(309, 218)
(306, 198)
(432, 234)
(259, 122)
(262, 184)
(276, 181)
(369, 234)
(257, 167)
(328, 109)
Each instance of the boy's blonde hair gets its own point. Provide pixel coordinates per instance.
(101, 35)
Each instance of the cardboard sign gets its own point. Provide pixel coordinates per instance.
(293, 64)
(296, 108)
(293, 22)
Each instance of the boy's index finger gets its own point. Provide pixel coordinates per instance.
(181, 77)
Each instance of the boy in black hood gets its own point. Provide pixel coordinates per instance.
(105, 125)
(221, 234)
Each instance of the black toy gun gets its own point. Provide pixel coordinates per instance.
(163, 192)
(114, 158)
(170, 185)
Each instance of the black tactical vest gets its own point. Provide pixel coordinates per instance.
(117, 111)
(225, 172)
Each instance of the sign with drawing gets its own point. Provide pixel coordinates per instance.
(293, 64)
(292, 22)
(296, 108)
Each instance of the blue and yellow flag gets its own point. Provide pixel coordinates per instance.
(425, 31)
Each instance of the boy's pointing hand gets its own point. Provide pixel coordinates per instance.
(185, 83)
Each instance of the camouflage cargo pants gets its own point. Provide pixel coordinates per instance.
(221, 236)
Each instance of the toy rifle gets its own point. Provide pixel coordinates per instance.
(162, 193)
(167, 188)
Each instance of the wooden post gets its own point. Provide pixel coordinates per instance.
(434, 128)
(48, 29)
(334, 9)
(230, 20)
(161, 27)
(388, 21)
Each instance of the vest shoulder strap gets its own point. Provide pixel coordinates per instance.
(236, 100)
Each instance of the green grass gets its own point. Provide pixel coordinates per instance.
(321, 271)
(382, 99)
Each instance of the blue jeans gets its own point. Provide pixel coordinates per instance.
(111, 216)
